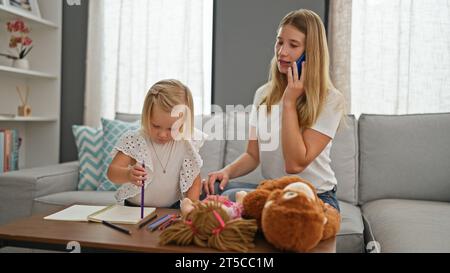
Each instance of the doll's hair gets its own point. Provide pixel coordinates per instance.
(208, 225)
(168, 94)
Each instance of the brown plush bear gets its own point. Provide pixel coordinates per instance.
(290, 215)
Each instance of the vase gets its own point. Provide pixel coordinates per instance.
(22, 64)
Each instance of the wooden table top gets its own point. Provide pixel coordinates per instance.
(97, 236)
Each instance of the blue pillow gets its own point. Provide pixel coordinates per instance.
(89, 143)
(112, 131)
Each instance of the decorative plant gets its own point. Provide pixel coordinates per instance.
(20, 41)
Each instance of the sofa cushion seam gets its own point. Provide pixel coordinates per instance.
(53, 175)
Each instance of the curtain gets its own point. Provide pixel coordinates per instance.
(400, 55)
(132, 44)
(339, 39)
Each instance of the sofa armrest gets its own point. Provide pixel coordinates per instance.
(19, 189)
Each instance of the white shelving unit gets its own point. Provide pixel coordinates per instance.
(40, 132)
(26, 73)
(9, 13)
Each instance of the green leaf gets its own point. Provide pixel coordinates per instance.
(26, 51)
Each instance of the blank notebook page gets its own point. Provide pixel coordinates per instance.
(122, 214)
(76, 213)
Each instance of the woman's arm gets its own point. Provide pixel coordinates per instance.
(245, 164)
(195, 190)
(299, 148)
(119, 173)
(248, 161)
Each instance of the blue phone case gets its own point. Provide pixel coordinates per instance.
(299, 64)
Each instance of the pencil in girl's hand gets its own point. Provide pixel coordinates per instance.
(142, 193)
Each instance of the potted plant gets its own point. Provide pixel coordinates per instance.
(21, 42)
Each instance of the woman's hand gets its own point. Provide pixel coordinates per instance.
(136, 175)
(221, 176)
(296, 86)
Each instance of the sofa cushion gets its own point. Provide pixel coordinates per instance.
(350, 238)
(18, 189)
(89, 143)
(213, 149)
(344, 160)
(236, 144)
(53, 202)
(125, 117)
(408, 226)
(404, 157)
(112, 131)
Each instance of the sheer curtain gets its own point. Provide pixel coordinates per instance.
(400, 56)
(339, 38)
(132, 44)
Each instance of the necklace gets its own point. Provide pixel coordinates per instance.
(157, 157)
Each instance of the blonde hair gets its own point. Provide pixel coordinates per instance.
(317, 77)
(167, 94)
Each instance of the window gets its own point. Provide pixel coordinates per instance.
(400, 56)
(132, 44)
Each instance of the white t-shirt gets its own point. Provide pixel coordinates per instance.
(319, 172)
(161, 189)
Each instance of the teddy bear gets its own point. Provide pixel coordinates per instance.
(290, 215)
(214, 222)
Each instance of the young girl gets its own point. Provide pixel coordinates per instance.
(310, 110)
(161, 156)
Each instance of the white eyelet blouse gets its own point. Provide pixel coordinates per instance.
(161, 189)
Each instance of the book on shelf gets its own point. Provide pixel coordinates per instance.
(9, 152)
(15, 150)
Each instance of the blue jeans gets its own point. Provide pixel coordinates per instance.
(232, 188)
(329, 197)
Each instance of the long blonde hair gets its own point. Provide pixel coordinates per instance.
(167, 94)
(317, 77)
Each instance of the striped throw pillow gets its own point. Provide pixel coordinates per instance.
(89, 144)
(112, 131)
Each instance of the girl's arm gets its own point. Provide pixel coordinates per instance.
(195, 190)
(299, 148)
(119, 173)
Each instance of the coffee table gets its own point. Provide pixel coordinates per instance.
(35, 232)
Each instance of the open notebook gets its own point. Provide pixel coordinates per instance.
(116, 214)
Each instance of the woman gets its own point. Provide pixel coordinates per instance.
(307, 109)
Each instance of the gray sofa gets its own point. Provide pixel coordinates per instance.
(393, 174)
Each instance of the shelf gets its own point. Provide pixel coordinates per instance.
(28, 119)
(40, 132)
(8, 13)
(23, 72)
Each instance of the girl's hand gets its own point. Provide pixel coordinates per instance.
(296, 86)
(136, 175)
(221, 176)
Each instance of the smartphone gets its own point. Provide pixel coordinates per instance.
(299, 64)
